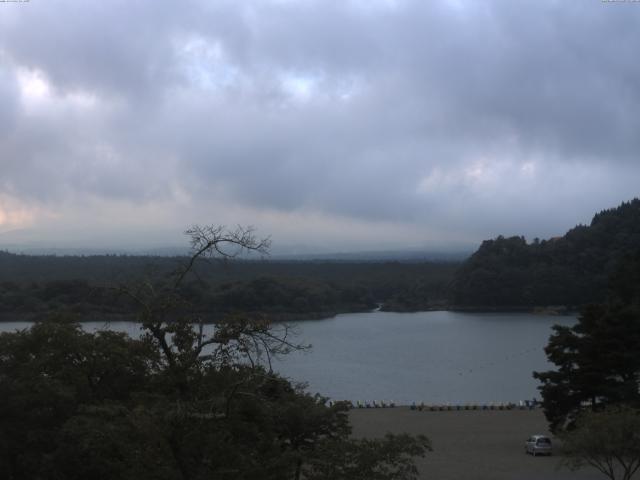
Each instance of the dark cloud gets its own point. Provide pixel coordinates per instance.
(441, 120)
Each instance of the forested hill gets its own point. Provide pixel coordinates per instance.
(36, 286)
(572, 270)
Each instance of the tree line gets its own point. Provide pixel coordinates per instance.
(570, 270)
(33, 286)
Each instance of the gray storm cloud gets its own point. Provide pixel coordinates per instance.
(345, 123)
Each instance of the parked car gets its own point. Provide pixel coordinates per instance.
(538, 445)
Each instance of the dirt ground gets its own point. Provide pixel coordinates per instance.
(472, 445)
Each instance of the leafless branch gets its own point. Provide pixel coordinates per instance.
(217, 241)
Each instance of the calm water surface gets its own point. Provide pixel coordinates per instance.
(435, 357)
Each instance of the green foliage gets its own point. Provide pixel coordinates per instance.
(176, 404)
(48, 373)
(598, 359)
(608, 441)
(100, 405)
(569, 270)
(110, 441)
(368, 459)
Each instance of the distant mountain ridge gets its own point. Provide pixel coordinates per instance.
(571, 270)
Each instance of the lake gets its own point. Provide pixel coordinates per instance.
(434, 357)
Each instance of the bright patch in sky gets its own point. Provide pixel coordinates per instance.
(299, 86)
(205, 64)
(36, 91)
(13, 215)
(479, 172)
(33, 85)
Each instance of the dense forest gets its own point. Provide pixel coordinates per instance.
(571, 270)
(33, 286)
(568, 271)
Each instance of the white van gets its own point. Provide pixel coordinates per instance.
(538, 445)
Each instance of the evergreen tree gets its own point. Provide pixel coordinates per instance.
(598, 359)
(570, 270)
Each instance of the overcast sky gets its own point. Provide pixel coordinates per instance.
(339, 125)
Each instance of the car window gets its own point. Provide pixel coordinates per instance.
(544, 441)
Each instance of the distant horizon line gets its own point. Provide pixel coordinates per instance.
(409, 253)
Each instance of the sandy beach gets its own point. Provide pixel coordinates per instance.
(472, 445)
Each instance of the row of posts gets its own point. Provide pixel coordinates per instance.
(521, 405)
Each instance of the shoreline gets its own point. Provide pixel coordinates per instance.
(552, 310)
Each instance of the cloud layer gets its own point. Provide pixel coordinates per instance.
(341, 124)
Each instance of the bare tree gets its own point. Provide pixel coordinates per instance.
(177, 328)
(219, 242)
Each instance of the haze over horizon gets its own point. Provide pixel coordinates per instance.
(329, 125)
